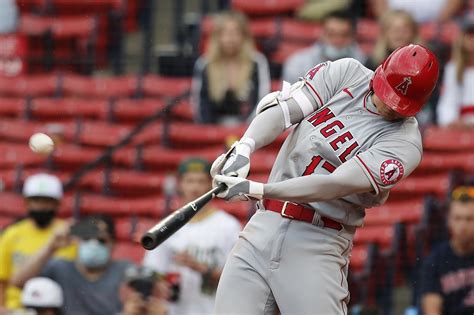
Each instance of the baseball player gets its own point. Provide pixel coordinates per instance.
(355, 137)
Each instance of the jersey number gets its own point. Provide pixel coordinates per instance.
(315, 161)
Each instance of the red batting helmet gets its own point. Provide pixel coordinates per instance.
(405, 80)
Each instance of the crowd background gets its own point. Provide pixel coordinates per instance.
(137, 94)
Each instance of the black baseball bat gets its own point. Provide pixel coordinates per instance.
(175, 220)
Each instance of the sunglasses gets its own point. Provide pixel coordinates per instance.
(463, 193)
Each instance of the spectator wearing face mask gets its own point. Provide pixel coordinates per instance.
(90, 283)
(338, 41)
(23, 239)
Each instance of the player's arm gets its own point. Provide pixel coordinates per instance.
(34, 266)
(347, 179)
(431, 304)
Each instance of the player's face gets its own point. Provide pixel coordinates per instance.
(385, 111)
(461, 222)
(230, 38)
(399, 33)
(338, 33)
(193, 185)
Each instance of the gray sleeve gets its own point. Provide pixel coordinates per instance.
(329, 78)
(389, 161)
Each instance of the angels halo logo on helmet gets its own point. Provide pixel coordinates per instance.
(406, 79)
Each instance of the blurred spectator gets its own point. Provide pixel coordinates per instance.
(456, 104)
(91, 282)
(140, 292)
(338, 41)
(232, 76)
(422, 10)
(43, 295)
(8, 16)
(23, 239)
(192, 259)
(397, 29)
(448, 273)
(317, 10)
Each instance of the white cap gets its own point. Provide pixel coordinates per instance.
(43, 185)
(42, 292)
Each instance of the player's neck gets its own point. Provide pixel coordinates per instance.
(206, 212)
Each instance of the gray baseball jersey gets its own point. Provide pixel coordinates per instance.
(345, 126)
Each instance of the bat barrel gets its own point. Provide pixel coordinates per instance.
(174, 221)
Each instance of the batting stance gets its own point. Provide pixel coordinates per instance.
(355, 138)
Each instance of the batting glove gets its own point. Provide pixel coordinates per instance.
(236, 162)
(239, 189)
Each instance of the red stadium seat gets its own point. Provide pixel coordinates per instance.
(128, 251)
(12, 107)
(300, 31)
(200, 135)
(382, 235)
(11, 205)
(69, 108)
(266, 7)
(124, 228)
(128, 182)
(12, 155)
(359, 257)
(391, 213)
(102, 134)
(440, 162)
(75, 85)
(135, 110)
(86, 6)
(415, 187)
(160, 158)
(149, 206)
(183, 111)
(165, 86)
(38, 85)
(444, 139)
(68, 156)
(285, 50)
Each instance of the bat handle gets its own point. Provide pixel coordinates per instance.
(218, 189)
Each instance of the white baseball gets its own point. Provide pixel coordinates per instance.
(41, 143)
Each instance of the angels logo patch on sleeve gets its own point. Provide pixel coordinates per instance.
(391, 171)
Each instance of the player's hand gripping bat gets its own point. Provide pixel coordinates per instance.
(174, 221)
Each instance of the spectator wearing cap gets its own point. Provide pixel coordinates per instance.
(42, 295)
(456, 104)
(447, 285)
(20, 241)
(337, 41)
(195, 255)
(90, 283)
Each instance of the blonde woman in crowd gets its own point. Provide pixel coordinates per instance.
(456, 105)
(231, 76)
(397, 29)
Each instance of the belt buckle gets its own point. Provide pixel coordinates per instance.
(283, 209)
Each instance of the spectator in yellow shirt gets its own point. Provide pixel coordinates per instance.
(23, 239)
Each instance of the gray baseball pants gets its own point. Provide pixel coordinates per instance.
(291, 266)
